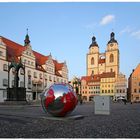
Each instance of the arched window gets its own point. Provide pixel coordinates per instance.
(111, 70)
(92, 61)
(111, 58)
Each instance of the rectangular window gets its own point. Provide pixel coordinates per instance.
(29, 86)
(45, 77)
(40, 76)
(50, 78)
(21, 84)
(135, 90)
(4, 94)
(5, 67)
(5, 82)
(29, 72)
(1, 53)
(35, 75)
(45, 82)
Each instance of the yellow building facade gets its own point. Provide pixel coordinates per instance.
(105, 66)
(107, 84)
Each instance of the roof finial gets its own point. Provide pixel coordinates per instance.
(27, 31)
(27, 40)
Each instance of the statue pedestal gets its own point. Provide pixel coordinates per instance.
(16, 94)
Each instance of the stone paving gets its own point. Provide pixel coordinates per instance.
(30, 121)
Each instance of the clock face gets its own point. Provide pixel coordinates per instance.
(111, 44)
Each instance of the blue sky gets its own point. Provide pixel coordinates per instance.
(66, 29)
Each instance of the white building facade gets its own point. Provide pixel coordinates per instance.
(40, 70)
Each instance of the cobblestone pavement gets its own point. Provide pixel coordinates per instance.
(31, 122)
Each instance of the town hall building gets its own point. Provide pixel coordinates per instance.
(40, 70)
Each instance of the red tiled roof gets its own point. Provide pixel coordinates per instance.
(40, 59)
(97, 77)
(101, 61)
(58, 74)
(14, 50)
(58, 66)
(107, 74)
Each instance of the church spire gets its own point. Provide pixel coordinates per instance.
(27, 40)
(94, 43)
(112, 38)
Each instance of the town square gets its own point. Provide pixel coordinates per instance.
(69, 70)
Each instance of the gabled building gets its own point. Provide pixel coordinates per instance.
(40, 70)
(134, 85)
(90, 86)
(121, 87)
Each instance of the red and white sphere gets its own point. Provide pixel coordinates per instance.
(59, 99)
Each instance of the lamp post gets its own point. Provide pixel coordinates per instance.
(36, 92)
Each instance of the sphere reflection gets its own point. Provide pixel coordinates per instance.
(59, 99)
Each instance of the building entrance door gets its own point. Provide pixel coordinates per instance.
(34, 95)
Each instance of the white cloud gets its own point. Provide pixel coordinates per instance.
(136, 34)
(107, 19)
(131, 31)
(127, 29)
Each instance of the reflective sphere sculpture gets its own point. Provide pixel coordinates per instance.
(59, 99)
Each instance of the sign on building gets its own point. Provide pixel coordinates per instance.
(102, 105)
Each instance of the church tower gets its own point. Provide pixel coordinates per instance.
(92, 58)
(112, 55)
